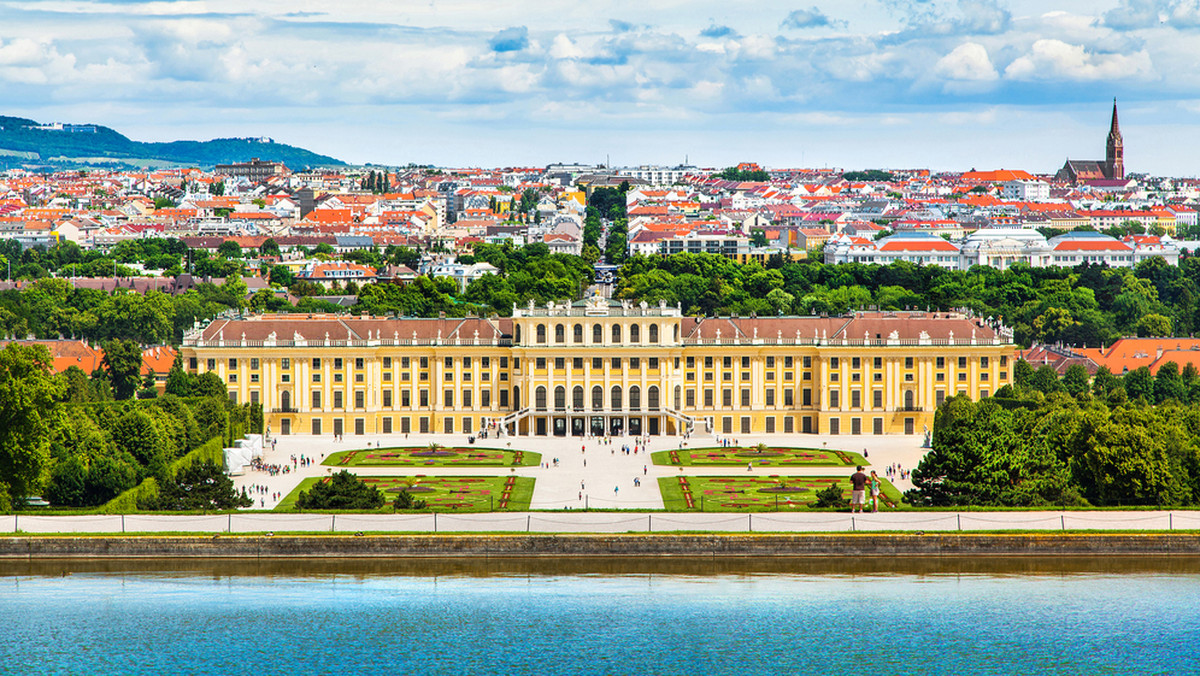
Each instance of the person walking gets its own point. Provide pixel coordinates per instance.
(858, 489)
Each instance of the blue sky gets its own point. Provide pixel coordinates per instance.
(942, 84)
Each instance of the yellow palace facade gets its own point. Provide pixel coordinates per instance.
(602, 367)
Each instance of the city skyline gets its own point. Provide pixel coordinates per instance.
(896, 84)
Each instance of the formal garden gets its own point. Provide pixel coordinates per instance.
(761, 455)
(761, 493)
(415, 493)
(434, 456)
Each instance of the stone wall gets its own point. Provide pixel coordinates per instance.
(525, 546)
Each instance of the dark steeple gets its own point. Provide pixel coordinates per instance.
(1114, 164)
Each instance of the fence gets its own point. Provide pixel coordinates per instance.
(573, 521)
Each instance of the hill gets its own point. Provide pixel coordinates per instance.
(25, 142)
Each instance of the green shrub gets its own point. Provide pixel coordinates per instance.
(830, 497)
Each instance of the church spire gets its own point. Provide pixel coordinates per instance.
(1114, 161)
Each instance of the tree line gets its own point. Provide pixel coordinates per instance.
(69, 437)
(1044, 441)
(1087, 305)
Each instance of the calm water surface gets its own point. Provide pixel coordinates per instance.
(218, 619)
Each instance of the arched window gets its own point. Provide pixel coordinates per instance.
(541, 333)
(635, 398)
(616, 398)
(578, 334)
(285, 400)
(678, 397)
(908, 399)
(577, 398)
(635, 334)
(652, 398)
(676, 333)
(539, 398)
(597, 334)
(517, 335)
(616, 333)
(560, 334)
(560, 398)
(597, 398)
(654, 333)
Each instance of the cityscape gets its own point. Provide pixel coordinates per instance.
(584, 344)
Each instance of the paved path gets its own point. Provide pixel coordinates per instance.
(601, 476)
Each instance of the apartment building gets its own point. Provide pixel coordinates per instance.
(603, 367)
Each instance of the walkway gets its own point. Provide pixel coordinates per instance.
(584, 478)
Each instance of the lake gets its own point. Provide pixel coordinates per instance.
(786, 616)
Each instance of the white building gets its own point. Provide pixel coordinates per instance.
(1001, 248)
(1025, 190)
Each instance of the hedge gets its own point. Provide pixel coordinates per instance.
(212, 451)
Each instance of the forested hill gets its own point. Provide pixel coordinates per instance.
(85, 144)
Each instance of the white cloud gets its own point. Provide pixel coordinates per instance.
(564, 48)
(1050, 59)
(968, 61)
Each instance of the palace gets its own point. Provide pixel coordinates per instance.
(603, 367)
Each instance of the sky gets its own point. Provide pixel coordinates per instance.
(938, 84)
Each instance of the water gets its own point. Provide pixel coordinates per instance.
(732, 617)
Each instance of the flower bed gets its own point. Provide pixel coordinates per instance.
(423, 456)
(741, 494)
(773, 456)
(469, 494)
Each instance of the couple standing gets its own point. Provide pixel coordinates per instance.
(859, 483)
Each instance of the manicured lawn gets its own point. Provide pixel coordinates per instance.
(443, 494)
(752, 493)
(772, 456)
(444, 456)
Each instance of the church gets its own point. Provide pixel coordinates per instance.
(1112, 167)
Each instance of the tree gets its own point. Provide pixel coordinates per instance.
(211, 416)
(1104, 381)
(123, 362)
(983, 455)
(1154, 325)
(341, 491)
(1045, 380)
(269, 247)
(229, 249)
(1168, 384)
(405, 500)
(75, 383)
(200, 485)
(1139, 383)
(281, 275)
(140, 435)
(1075, 380)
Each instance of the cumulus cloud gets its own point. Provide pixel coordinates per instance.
(510, 40)
(715, 31)
(982, 17)
(1134, 14)
(807, 18)
(564, 48)
(969, 61)
(1056, 60)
